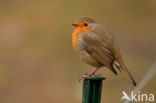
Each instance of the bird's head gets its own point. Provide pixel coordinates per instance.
(84, 24)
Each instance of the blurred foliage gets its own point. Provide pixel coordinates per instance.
(37, 61)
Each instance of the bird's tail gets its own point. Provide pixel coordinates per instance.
(120, 66)
(129, 74)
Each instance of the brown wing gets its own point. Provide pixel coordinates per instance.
(107, 40)
(92, 45)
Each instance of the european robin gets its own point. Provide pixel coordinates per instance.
(97, 46)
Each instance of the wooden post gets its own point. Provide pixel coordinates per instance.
(92, 88)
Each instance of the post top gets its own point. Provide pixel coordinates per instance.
(95, 77)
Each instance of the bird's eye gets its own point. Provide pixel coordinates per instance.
(85, 24)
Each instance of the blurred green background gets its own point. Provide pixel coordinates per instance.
(37, 62)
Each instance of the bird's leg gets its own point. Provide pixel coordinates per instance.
(93, 73)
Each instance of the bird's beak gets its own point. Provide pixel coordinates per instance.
(75, 25)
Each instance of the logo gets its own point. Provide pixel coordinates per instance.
(137, 97)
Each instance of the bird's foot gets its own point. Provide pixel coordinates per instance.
(83, 76)
(87, 75)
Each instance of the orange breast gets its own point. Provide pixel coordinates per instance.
(76, 34)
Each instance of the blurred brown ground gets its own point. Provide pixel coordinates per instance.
(37, 63)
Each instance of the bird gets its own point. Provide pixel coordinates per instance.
(96, 45)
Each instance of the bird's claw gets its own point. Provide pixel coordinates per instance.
(87, 75)
(83, 76)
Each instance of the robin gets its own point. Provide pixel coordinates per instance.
(97, 46)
